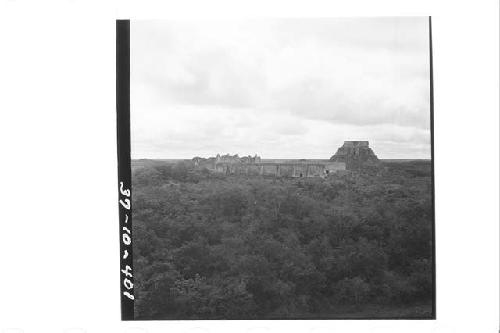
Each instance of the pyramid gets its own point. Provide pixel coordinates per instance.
(356, 155)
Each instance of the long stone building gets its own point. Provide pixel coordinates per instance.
(289, 168)
(351, 155)
(235, 165)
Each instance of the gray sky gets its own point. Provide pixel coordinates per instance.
(279, 88)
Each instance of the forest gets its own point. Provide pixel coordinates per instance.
(352, 245)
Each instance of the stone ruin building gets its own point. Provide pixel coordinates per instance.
(351, 156)
(236, 159)
(211, 162)
(355, 155)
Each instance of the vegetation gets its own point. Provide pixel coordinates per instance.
(208, 246)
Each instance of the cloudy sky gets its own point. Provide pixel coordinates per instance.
(282, 88)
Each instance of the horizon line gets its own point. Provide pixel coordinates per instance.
(270, 158)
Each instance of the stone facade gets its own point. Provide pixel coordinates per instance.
(248, 165)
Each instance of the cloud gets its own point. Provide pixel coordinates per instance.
(280, 86)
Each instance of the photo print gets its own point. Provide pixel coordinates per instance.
(276, 168)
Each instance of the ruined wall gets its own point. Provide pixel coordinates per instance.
(269, 169)
(300, 170)
(252, 169)
(286, 170)
(297, 169)
(334, 167)
(315, 170)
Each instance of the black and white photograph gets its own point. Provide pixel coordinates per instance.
(282, 169)
(260, 166)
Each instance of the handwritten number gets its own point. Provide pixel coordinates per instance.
(125, 203)
(126, 293)
(127, 240)
(125, 192)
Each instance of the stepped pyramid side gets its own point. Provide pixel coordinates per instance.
(356, 155)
